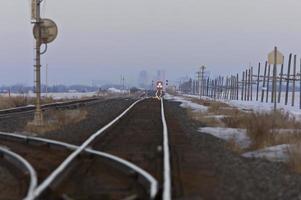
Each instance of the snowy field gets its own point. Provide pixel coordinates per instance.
(259, 106)
(69, 95)
(240, 136)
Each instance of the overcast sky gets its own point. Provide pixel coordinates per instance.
(102, 39)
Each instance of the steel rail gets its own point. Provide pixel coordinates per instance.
(166, 157)
(152, 181)
(30, 108)
(24, 164)
(59, 170)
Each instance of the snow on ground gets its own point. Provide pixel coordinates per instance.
(57, 95)
(73, 95)
(67, 95)
(114, 90)
(259, 106)
(273, 153)
(187, 103)
(239, 135)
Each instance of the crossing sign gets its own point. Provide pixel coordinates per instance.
(279, 58)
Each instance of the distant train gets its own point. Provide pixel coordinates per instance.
(159, 88)
(159, 85)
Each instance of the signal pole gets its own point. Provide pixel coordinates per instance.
(44, 31)
(38, 116)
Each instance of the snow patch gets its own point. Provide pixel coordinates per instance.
(186, 103)
(115, 90)
(272, 153)
(239, 135)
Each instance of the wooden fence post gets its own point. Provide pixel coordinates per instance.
(231, 88)
(215, 87)
(207, 87)
(237, 86)
(264, 78)
(257, 87)
(220, 87)
(280, 84)
(249, 79)
(294, 80)
(288, 78)
(242, 85)
(300, 86)
(268, 84)
(246, 84)
(251, 83)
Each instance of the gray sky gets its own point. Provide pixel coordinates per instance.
(101, 39)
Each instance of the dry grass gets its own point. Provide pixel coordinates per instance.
(58, 119)
(263, 128)
(203, 118)
(17, 101)
(260, 127)
(233, 146)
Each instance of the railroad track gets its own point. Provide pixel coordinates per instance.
(52, 185)
(24, 110)
(23, 167)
